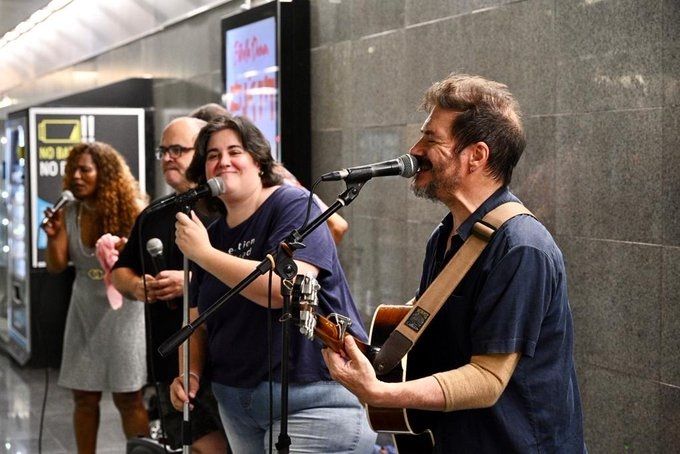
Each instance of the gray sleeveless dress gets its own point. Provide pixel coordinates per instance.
(104, 350)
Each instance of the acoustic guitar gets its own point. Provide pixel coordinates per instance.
(407, 427)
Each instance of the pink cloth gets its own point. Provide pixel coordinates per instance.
(107, 254)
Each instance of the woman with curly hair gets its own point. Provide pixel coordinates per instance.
(104, 345)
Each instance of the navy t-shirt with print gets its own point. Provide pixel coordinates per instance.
(237, 332)
(513, 299)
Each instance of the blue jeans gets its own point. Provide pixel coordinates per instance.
(323, 417)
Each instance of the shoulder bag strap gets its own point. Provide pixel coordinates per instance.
(413, 325)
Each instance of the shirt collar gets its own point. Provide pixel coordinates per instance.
(501, 196)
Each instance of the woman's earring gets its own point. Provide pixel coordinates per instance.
(260, 173)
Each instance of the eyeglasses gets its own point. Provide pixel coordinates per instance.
(175, 151)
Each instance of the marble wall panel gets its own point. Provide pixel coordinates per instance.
(670, 180)
(377, 80)
(615, 294)
(609, 172)
(533, 179)
(331, 103)
(621, 412)
(374, 16)
(670, 317)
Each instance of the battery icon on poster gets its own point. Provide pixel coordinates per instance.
(59, 131)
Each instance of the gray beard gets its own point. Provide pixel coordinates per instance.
(428, 192)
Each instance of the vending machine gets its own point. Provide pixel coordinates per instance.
(36, 145)
(13, 210)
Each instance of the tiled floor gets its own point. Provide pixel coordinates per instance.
(21, 398)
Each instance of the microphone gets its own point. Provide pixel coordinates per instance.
(405, 166)
(212, 187)
(155, 249)
(66, 196)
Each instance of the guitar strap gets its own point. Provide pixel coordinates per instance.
(409, 330)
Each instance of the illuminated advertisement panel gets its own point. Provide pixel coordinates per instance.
(251, 87)
(265, 75)
(55, 131)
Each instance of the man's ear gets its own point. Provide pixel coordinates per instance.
(478, 156)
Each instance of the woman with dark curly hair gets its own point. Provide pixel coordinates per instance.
(259, 212)
(104, 345)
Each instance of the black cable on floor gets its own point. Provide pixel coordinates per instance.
(42, 410)
(149, 337)
(43, 342)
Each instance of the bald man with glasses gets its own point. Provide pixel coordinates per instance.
(164, 290)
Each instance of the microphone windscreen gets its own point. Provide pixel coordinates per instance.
(67, 196)
(410, 165)
(216, 186)
(154, 247)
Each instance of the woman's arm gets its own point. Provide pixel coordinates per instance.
(198, 345)
(192, 239)
(57, 242)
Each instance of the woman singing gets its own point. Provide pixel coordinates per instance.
(232, 349)
(104, 348)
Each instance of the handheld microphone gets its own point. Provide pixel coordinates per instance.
(155, 249)
(66, 196)
(212, 187)
(405, 166)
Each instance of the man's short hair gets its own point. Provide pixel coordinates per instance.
(488, 113)
(208, 112)
(192, 122)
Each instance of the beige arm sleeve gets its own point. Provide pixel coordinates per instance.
(478, 384)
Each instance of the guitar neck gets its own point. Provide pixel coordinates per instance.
(329, 334)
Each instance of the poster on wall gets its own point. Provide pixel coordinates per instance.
(251, 76)
(54, 132)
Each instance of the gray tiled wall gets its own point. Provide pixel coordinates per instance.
(599, 83)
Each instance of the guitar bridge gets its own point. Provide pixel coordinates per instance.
(342, 322)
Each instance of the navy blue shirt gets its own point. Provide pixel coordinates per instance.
(514, 299)
(237, 332)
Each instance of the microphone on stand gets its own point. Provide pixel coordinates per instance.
(155, 249)
(66, 196)
(405, 166)
(212, 187)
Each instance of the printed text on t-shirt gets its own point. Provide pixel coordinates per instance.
(243, 249)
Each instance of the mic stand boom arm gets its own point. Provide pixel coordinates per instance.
(283, 264)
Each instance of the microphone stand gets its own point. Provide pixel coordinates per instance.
(282, 263)
(186, 417)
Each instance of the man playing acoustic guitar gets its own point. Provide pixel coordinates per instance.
(494, 369)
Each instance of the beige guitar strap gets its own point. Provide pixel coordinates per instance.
(419, 317)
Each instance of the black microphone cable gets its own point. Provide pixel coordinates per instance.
(149, 331)
(270, 337)
(309, 203)
(43, 341)
(270, 332)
